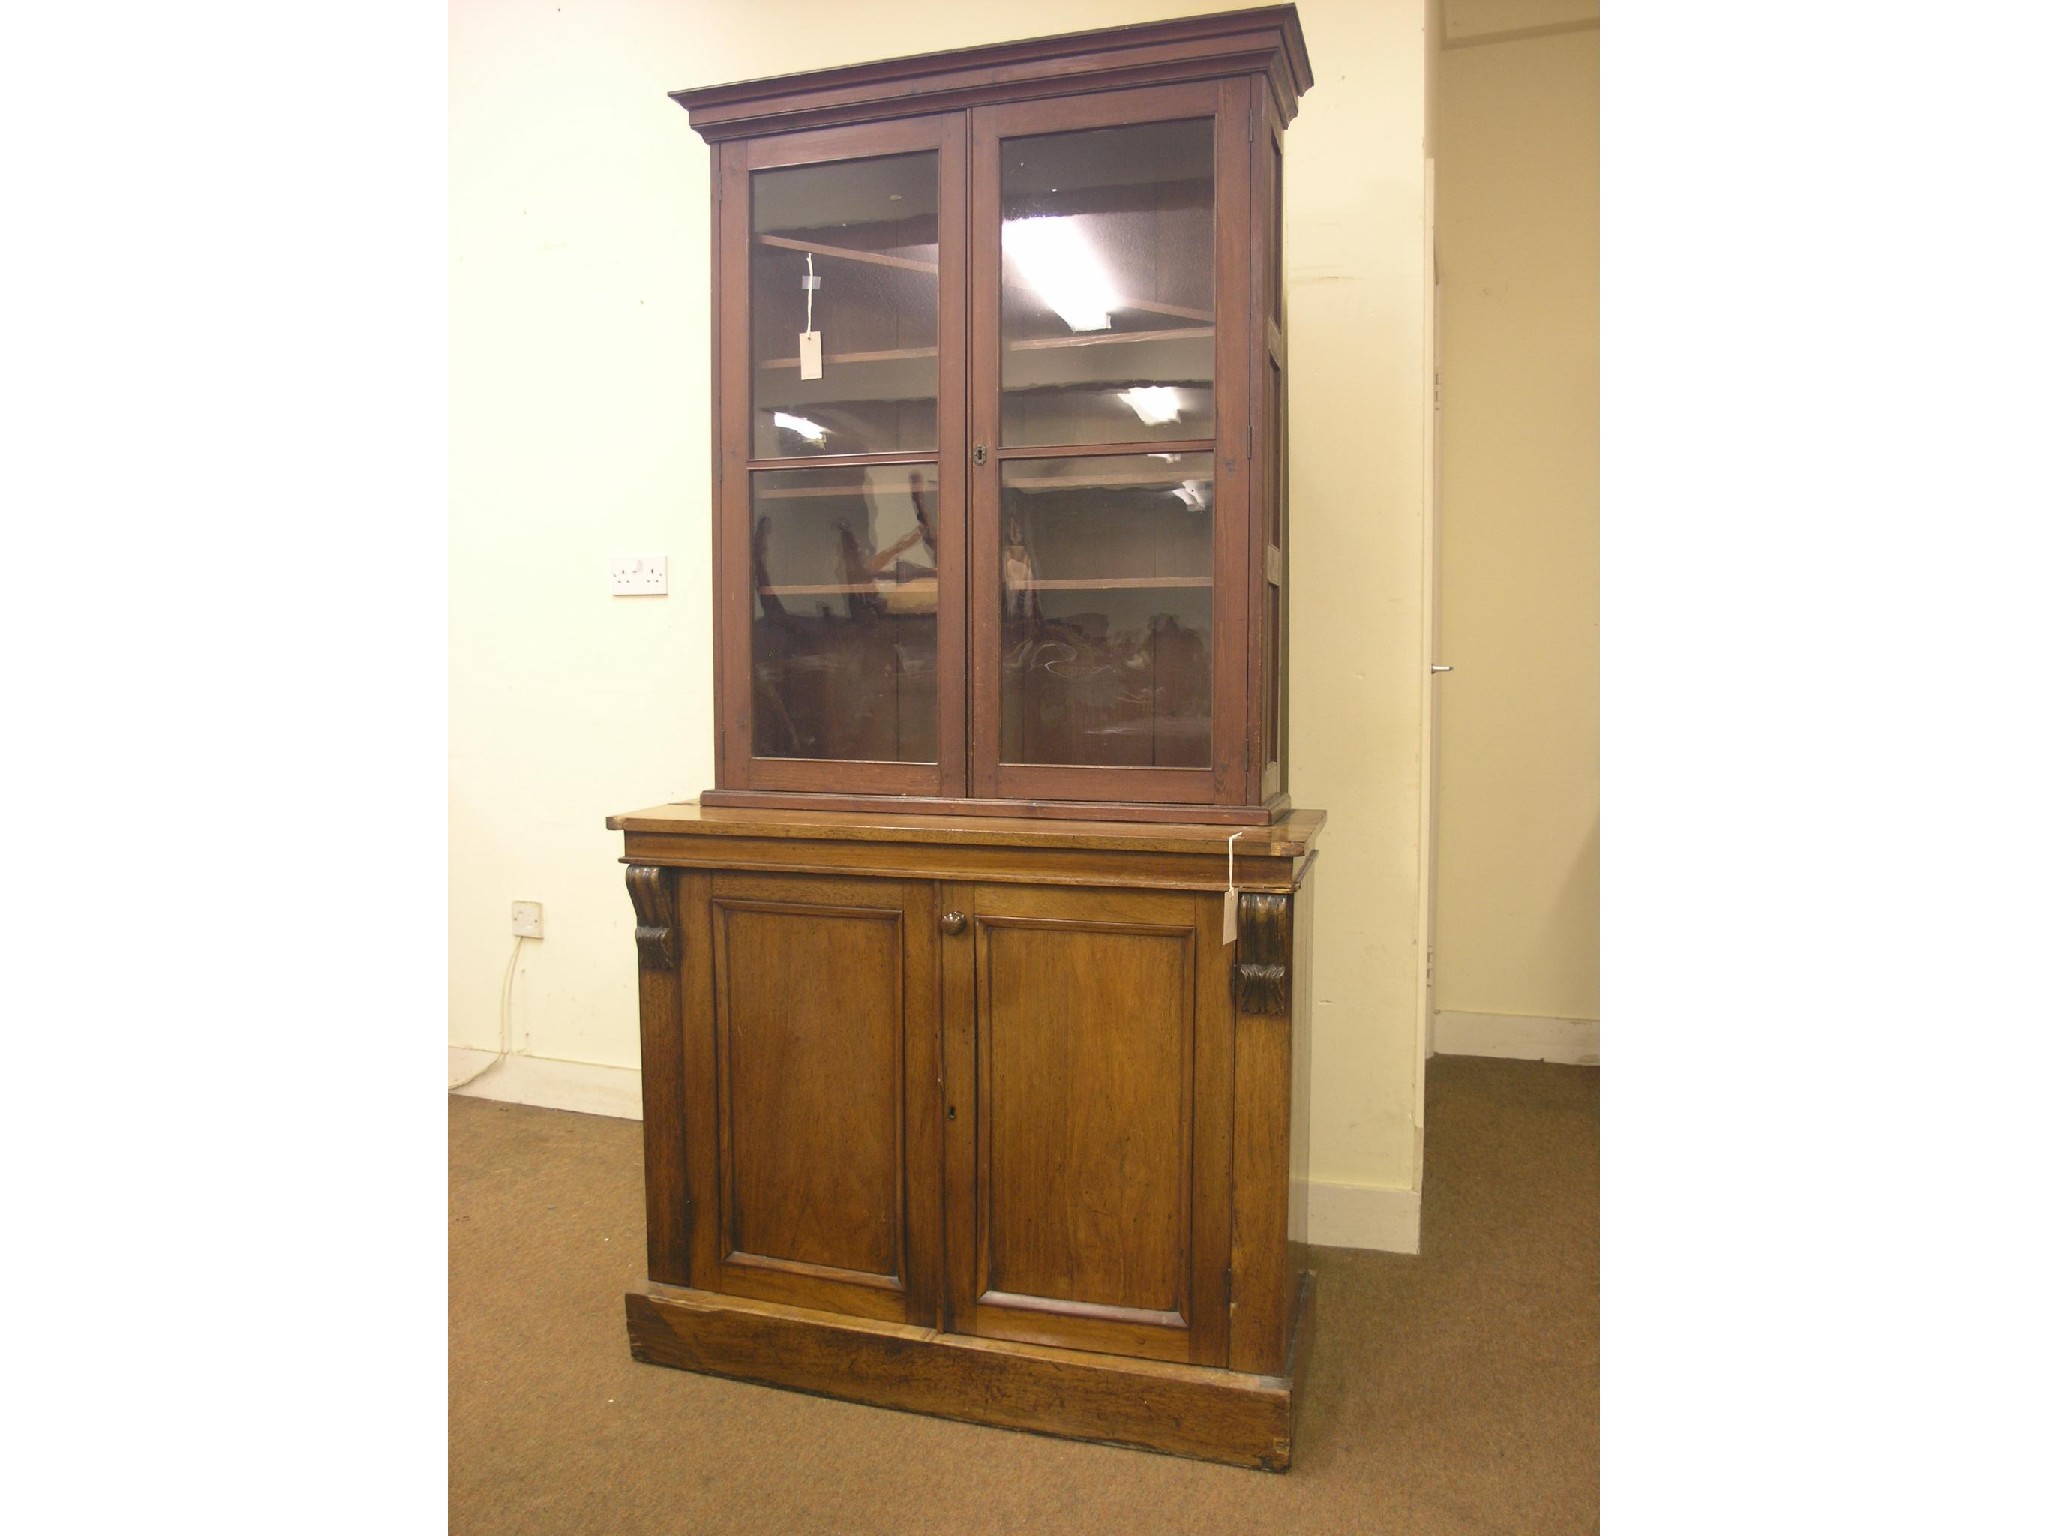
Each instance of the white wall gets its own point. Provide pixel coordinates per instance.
(1518, 206)
(580, 426)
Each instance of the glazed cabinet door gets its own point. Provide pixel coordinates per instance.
(840, 359)
(811, 1050)
(1109, 482)
(1088, 1060)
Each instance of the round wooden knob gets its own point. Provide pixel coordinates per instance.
(954, 922)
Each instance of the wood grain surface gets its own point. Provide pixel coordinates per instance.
(1185, 1410)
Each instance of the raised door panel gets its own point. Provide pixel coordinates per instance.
(1086, 1191)
(821, 1162)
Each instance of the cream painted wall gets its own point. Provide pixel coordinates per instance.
(1518, 916)
(579, 426)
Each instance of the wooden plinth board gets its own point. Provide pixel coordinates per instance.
(1207, 1413)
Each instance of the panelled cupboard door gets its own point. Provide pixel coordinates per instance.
(814, 1180)
(1088, 1054)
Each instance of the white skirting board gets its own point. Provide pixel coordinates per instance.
(577, 1085)
(1365, 1216)
(1339, 1215)
(1575, 1042)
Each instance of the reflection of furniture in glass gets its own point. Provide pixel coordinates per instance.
(958, 1097)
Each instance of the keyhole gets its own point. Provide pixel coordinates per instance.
(951, 1112)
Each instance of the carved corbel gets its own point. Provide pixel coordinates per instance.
(1265, 947)
(653, 890)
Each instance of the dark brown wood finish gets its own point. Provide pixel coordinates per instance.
(1262, 1278)
(1265, 42)
(1274, 809)
(994, 1076)
(1265, 945)
(1217, 1415)
(1266, 526)
(956, 1100)
(679, 825)
(660, 942)
(733, 577)
(1245, 71)
(813, 1179)
(1222, 782)
(1092, 1152)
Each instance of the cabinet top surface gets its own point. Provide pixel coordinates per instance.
(1290, 837)
(1267, 40)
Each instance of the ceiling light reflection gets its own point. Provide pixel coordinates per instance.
(1058, 260)
(802, 426)
(1156, 404)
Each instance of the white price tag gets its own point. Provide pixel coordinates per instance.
(1230, 895)
(810, 355)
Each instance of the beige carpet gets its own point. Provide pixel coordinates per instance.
(1457, 1391)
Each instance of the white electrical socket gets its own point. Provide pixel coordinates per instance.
(639, 575)
(526, 919)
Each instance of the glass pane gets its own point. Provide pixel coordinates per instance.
(1106, 592)
(1109, 310)
(846, 599)
(868, 230)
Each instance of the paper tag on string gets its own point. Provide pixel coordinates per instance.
(1230, 894)
(810, 347)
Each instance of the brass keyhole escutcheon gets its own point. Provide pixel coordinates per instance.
(954, 922)
(980, 453)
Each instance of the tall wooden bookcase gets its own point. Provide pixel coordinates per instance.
(973, 1048)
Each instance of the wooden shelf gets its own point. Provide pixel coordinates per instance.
(879, 587)
(1051, 584)
(834, 492)
(840, 359)
(912, 264)
(1109, 338)
(1136, 479)
(1139, 478)
(1107, 583)
(848, 253)
(1039, 344)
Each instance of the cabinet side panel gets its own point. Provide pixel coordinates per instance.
(1260, 1272)
(661, 943)
(1304, 999)
(1235, 776)
(700, 1077)
(811, 1010)
(732, 564)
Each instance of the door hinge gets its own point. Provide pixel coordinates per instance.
(1229, 1285)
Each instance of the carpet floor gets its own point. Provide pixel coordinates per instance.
(1456, 1391)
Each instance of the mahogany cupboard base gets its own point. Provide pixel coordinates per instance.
(980, 1116)
(1183, 1410)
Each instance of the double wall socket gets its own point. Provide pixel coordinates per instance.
(639, 575)
(526, 919)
